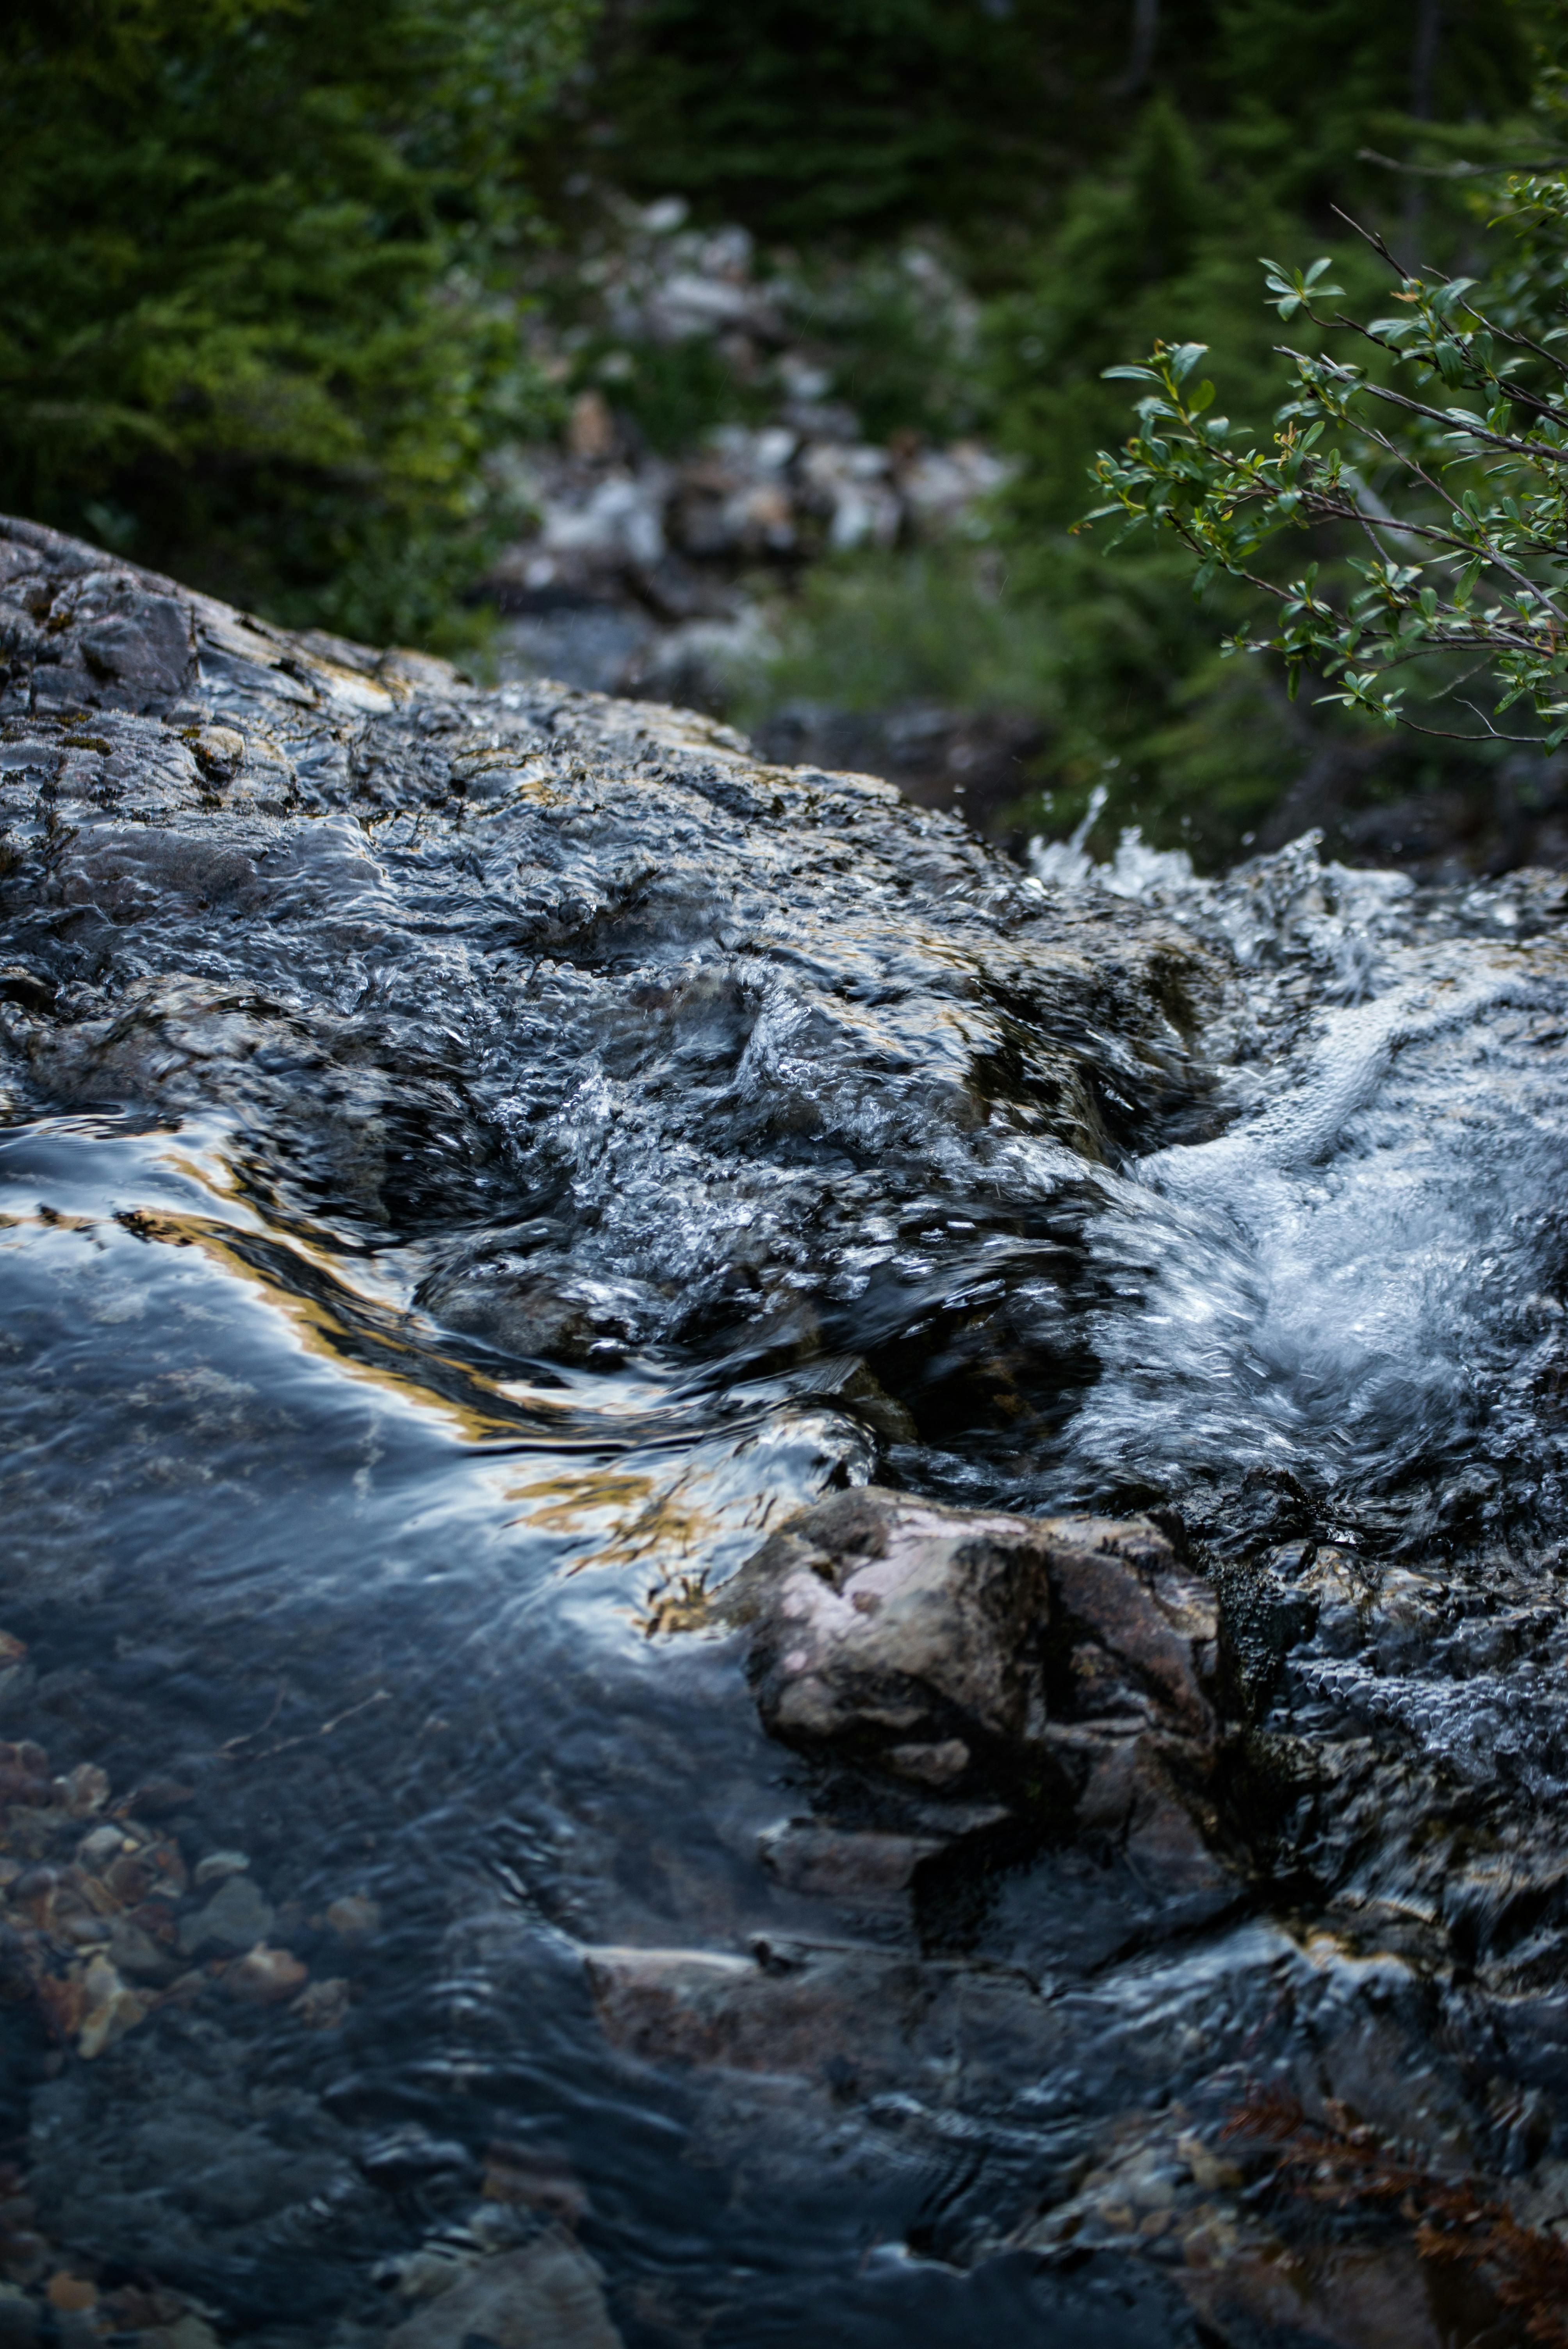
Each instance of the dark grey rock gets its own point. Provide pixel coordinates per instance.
(546, 2296)
(237, 1915)
(443, 951)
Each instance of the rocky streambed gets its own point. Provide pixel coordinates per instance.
(759, 1583)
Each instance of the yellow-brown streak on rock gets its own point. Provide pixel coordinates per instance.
(314, 1325)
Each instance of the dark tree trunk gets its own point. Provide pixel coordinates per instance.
(1140, 57)
(1423, 74)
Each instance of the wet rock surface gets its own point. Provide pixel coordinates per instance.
(746, 1559)
(1058, 1666)
(588, 889)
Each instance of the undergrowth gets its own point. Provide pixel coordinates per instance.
(1343, 2163)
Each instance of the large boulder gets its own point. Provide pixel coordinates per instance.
(1064, 1663)
(903, 1631)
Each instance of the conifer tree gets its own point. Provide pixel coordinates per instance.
(247, 323)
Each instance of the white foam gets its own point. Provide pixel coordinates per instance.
(1348, 1281)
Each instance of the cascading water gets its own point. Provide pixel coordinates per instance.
(1355, 1286)
(472, 1165)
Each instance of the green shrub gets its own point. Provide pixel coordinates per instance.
(1163, 241)
(812, 119)
(871, 630)
(1424, 466)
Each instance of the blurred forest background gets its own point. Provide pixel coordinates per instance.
(748, 356)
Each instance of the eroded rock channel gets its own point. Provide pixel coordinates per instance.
(759, 1584)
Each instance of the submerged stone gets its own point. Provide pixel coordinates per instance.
(548, 2296)
(264, 1976)
(237, 1915)
(854, 2018)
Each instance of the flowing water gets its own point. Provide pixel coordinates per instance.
(473, 1164)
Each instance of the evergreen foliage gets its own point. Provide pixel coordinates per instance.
(859, 119)
(249, 253)
(262, 265)
(1097, 198)
(812, 119)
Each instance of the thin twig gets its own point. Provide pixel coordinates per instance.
(1519, 394)
(1444, 415)
(1531, 740)
(1373, 239)
(1520, 342)
(1451, 171)
(1477, 741)
(381, 1696)
(230, 1745)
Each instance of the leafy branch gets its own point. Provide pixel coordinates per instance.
(1465, 425)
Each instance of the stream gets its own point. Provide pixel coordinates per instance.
(472, 1165)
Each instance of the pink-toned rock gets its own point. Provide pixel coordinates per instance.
(1117, 1582)
(854, 2020)
(880, 1621)
(1062, 1663)
(920, 1635)
(710, 2010)
(855, 1870)
(264, 1977)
